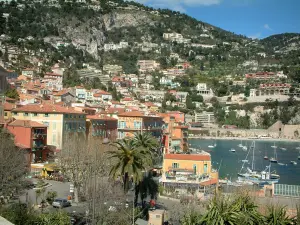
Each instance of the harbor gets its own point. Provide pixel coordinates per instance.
(277, 161)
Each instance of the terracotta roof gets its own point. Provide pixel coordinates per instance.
(8, 106)
(127, 99)
(132, 114)
(115, 110)
(100, 93)
(53, 74)
(49, 108)
(62, 92)
(209, 182)
(100, 117)
(26, 123)
(198, 157)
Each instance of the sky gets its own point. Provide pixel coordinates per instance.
(253, 18)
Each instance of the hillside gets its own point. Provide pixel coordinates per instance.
(121, 32)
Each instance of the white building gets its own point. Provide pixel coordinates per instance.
(203, 90)
(205, 117)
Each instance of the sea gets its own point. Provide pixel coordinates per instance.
(230, 163)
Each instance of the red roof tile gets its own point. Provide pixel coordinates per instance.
(191, 157)
(100, 117)
(8, 106)
(49, 108)
(132, 114)
(26, 123)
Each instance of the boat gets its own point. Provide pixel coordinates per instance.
(215, 144)
(274, 158)
(241, 144)
(298, 148)
(283, 149)
(294, 163)
(254, 176)
(245, 160)
(299, 156)
(211, 146)
(232, 150)
(274, 146)
(281, 164)
(266, 157)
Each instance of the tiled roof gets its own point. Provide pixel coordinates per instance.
(60, 93)
(49, 108)
(100, 117)
(198, 157)
(115, 110)
(8, 106)
(26, 123)
(132, 114)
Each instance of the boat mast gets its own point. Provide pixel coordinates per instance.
(253, 156)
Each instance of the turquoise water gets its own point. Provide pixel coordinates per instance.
(232, 162)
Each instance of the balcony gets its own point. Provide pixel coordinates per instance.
(188, 178)
(39, 136)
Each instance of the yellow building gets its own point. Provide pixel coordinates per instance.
(181, 171)
(130, 123)
(59, 120)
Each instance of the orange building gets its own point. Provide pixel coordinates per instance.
(101, 126)
(30, 136)
(182, 171)
(133, 122)
(175, 133)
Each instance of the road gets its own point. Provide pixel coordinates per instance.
(62, 189)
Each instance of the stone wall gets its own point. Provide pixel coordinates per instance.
(204, 132)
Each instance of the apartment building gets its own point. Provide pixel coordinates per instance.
(205, 117)
(60, 121)
(31, 137)
(130, 123)
(271, 89)
(188, 171)
(147, 65)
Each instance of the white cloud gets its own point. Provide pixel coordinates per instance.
(267, 27)
(178, 5)
(255, 36)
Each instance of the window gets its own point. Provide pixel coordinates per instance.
(25, 114)
(5, 114)
(195, 168)
(54, 139)
(175, 165)
(66, 116)
(15, 113)
(205, 168)
(54, 126)
(35, 114)
(137, 125)
(46, 115)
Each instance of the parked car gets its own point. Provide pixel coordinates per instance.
(61, 203)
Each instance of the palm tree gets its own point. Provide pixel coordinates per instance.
(146, 141)
(146, 187)
(129, 161)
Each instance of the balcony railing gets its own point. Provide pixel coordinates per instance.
(39, 135)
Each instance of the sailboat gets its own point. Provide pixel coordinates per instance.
(241, 144)
(257, 177)
(274, 159)
(274, 146)
(215, 144)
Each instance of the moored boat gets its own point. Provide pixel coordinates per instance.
(232, 150)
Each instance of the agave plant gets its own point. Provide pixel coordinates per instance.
(239, 209)
(277, 215)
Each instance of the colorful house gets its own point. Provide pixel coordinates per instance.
(101, 126)
(133, 122)
(183, 171)
(32, 137)
(59, 120)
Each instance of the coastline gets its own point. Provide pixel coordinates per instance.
(245, 139)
